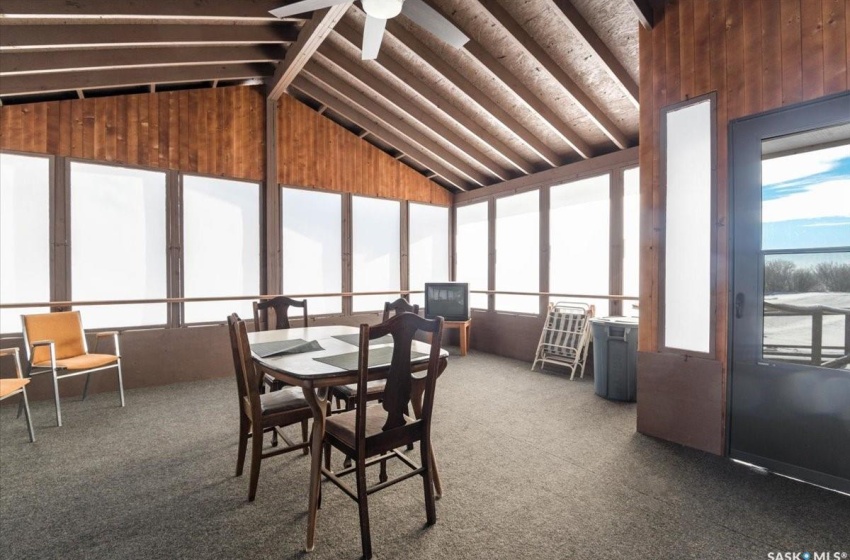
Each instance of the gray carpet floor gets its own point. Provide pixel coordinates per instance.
(533, 466)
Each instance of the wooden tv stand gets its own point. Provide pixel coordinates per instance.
(465, 329)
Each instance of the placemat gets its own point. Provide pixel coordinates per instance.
(280, 347)
(377, 357)
(354, 339)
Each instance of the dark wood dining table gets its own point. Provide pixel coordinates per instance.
(316, 377)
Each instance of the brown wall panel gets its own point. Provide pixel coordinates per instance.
(756, 55)
(313, 151)
(153, 130)
(678, 398)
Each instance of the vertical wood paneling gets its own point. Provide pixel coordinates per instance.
(752, 57)
(792, 58)
(771, 54)
(836, 47)
(313, 151)
(215, 132)
(686, 49)
(672, 62)
(811, 25)
(756, 55)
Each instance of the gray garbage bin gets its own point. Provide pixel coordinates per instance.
(615, 357)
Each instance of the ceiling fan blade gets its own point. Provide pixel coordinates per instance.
(303, 6)
(430, 19)
(373, 32)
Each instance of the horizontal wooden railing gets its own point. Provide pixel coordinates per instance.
(68, 304)
(817, 313)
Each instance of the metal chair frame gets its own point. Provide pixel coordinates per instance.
(565, 337)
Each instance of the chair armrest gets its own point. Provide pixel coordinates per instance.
(105, 334)
(41, 343)
(13, 352)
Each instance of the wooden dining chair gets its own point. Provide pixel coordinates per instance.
(372, 433)
(17, 386)
(279, 306)
(346, 395)
(261, 413)
(56, 344)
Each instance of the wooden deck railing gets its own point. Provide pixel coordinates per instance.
(837, 356)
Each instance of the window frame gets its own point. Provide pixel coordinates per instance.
(178, 243)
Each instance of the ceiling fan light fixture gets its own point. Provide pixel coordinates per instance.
(382, 9)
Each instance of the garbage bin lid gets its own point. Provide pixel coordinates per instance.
(616, 320)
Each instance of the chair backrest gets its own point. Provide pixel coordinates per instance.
(247, 380)
(64, 328)
(400, 305)
(397, 393)
(567, 327)
(280, 306)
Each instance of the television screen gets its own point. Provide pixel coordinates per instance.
(449, 300)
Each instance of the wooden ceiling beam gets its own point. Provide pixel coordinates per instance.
(643, 11)
(70, 81)
(520, 90)
(585, 32)
(310, 38)
(400, 72)
(14, 62)
(396, 98)
(592, 111)
(184, 9)
(473, 92)
(376, 128)
(375, 110)
(121, 34)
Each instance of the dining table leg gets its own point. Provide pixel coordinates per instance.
(317, 399)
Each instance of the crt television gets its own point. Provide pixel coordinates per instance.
(449, 300)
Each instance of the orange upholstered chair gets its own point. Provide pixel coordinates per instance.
(56, 342)
(16, 385)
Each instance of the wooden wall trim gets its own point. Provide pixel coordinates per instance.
(557, 175)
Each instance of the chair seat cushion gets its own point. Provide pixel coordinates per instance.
(11, 386)
(373, 388)
(341, 426)
(284, 400)
(85, 361)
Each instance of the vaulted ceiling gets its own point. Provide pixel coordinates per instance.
(540, 84)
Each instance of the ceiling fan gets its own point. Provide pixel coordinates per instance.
(377, 14)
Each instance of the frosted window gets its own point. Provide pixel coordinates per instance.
(221, 246)
(429, 247)
(376, 241)
(631, 238)
(518, 251)
(24, 236)
(118, 243)
(312, 247)
(579, 222)
(471, 250)
(687, 275)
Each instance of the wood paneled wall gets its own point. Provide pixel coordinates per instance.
(756, 55)
(217, 132)
(210, 131)
(313, 151)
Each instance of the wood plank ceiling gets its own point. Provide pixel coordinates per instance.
(540, 84)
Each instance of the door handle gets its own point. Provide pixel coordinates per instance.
(739, 305)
